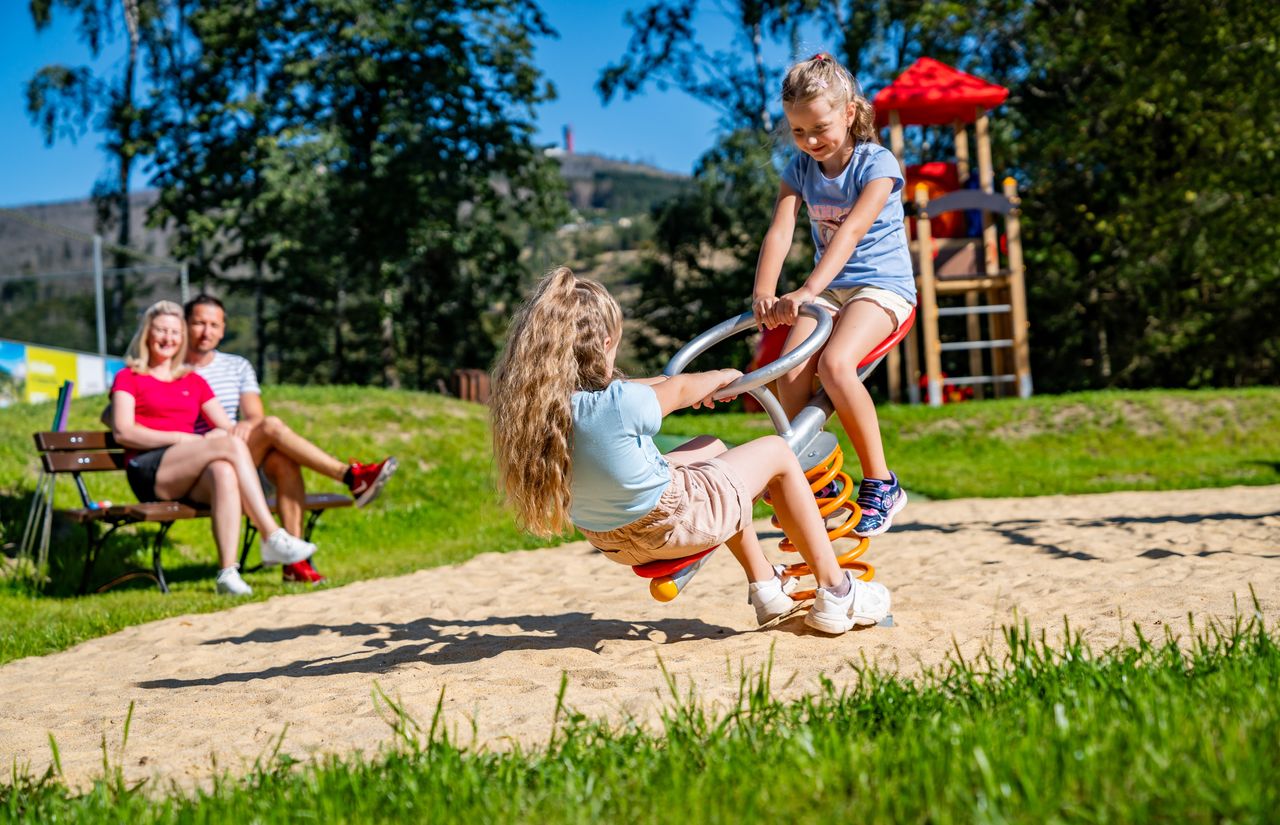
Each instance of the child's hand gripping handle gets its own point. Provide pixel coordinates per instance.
(754, 382)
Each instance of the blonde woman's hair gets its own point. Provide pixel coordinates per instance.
(822, 76)
(138, 356)
(556, 346)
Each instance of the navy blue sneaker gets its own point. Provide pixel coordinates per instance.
(830, 491)
(880, 502)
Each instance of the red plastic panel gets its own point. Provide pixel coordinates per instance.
(665, 567)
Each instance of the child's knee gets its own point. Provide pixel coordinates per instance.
(833, 367)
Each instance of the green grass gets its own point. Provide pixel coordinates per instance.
(1095, 442)
(1150, 732)
(441, 507)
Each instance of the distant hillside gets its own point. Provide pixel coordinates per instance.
(596, 185)
(615, 187)
(26, 246)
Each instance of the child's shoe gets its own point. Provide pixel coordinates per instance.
(866, 603)
(880, 502)
(770, 598)
(230, 583)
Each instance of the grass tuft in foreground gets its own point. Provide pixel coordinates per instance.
(1154, 731)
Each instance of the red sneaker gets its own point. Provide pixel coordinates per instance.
(302, 572)
(367, 479)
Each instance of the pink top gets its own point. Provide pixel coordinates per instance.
(168, 406)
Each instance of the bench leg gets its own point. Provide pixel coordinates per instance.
(312, 518)
(246, 545)
(156, 567)
(96, 543)
(92, 543)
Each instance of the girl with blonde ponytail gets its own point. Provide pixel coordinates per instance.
(850, 185)
(573, 445)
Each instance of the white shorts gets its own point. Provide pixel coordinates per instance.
(891, 302)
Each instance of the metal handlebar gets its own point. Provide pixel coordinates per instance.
(754, 382)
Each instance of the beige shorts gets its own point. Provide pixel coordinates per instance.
(891, 302)
(704, 504)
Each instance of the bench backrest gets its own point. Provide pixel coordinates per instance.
(76, 452)
(79, 452)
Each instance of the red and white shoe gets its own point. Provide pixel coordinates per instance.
(302, 572)
(367, 480)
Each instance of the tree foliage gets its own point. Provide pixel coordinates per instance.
(372, 163)
(1142, 137)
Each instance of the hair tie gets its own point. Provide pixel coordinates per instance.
(820, 56)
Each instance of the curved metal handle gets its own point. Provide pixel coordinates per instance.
(767, 373)
(754, 382)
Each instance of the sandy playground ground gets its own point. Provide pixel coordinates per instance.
(496, 633)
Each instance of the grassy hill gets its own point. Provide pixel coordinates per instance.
(441, 507)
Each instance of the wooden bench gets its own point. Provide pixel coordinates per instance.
(75, 453)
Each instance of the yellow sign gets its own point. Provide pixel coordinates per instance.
(46, 370)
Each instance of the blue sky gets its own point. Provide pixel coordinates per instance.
(666, 129)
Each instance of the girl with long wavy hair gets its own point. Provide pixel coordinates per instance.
(573, 444)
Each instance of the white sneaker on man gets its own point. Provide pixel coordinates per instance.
(230, 583)
(866, 603)
(283, 548)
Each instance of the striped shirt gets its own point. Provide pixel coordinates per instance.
(230, 376)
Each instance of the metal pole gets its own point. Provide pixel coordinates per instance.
(185, 287)
(99, 301)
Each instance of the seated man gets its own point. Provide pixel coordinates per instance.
(278, 450)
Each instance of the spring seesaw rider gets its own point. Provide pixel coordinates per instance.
(573, 444)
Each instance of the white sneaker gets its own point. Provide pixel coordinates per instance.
(230, 583)
(866, 603)
(770, 598)
(283, 548)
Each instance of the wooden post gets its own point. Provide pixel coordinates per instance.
(928, 298)
(893, 366)
(986, 180)
(973, 332)
(913, 356)
(962, 151)
(1018, 292)
(898, 143)
(990, 244)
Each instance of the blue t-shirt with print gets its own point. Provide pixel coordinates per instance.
(618, 473)
(881, 258)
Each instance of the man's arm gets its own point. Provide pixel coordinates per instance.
(251, 409)
(251, 415)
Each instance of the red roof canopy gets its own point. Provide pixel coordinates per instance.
(930, 93)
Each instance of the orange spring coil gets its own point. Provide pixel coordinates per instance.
(829, 469)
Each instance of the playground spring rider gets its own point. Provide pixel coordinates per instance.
(818, 450)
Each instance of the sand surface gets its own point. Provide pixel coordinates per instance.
(496, 633)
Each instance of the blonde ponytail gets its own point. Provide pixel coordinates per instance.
(556, 346)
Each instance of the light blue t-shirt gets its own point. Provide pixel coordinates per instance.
(881, 258)
(618, 473)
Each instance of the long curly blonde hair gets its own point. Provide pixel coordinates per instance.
(556, 346)
(822, 76)
(138, 356)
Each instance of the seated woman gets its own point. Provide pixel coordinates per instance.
(155, 403)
